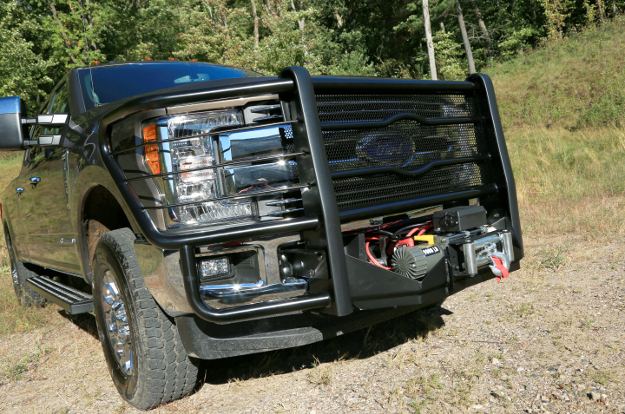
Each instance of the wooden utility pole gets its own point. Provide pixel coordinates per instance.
(428, 37)
(465, 37)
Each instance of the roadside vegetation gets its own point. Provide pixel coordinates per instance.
(563, 110)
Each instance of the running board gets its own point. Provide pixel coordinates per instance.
(72, 300)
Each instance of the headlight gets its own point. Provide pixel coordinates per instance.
(204, 187)
(191, 162)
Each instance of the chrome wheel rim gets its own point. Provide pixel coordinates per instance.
(16, 281)
(116, 324)
(12, 259)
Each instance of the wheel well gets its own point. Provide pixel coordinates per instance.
(101, 214)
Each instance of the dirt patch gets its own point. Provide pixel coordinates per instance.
(551, 337)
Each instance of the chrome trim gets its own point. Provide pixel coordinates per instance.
(282, 202)
(470, 259)
(506, 242)
(474, 256)
(237, 287)
(265, 108)
(281, 212)
(268, 118)
(183, 109)
(163, 276)
(230, 295)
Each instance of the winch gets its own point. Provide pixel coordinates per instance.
(415, 262)
(461, 235)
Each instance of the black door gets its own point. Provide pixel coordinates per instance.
(45, 203)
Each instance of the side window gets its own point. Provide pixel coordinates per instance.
(60, 105)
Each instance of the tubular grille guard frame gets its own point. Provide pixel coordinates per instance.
(321, 213)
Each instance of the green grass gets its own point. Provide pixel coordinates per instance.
(563, 107)
(572, 83)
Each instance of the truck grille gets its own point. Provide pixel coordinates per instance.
(383, 148)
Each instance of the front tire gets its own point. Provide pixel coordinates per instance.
(142, 347)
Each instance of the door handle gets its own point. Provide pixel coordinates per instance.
(34, 181)
(19, 190)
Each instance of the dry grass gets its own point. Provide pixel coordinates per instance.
(569, 181)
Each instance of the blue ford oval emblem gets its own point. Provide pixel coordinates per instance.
(385, 148)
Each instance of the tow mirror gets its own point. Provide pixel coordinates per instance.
(48, 120)
(12, 130)
(14, 127)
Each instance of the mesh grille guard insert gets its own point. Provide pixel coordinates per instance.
(387, 147)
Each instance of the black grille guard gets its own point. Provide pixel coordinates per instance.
(321, 214)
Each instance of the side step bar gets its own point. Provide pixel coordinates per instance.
(72, 300)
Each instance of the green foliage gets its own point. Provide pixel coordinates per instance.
(449, 56)
(42, 39)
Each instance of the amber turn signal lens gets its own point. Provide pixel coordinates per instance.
(151, 151)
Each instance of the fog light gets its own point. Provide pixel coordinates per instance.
(212, 268)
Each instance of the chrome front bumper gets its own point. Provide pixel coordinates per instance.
(163, 277)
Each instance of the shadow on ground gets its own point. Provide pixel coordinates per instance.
(85, 321)
(360, 344)
(355, 345)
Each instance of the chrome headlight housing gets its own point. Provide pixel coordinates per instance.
(206, 178)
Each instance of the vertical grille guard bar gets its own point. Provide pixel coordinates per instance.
(486, 91)
(314, 167)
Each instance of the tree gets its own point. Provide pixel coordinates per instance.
(483, 28)
(428, 36)
(465, 38)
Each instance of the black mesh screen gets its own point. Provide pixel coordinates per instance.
(406, 145)
(355, 108)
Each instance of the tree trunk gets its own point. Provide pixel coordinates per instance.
(66, 41)
(443, 27)
(299, 22)
(465, 38)
(339, 19)
(614, 11)
(480, 22)
(428, 36)
(255, 15)
(601, 11)
(90, 22)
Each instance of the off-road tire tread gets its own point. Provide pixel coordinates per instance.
(171, 373)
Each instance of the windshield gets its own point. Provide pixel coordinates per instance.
(102, 85)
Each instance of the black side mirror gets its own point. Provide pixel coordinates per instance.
(12, 130)
(14, 127)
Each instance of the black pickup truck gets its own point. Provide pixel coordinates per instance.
(204, 211)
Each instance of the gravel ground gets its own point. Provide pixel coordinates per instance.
(550, 338)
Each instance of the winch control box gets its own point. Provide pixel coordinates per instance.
(459, 219)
